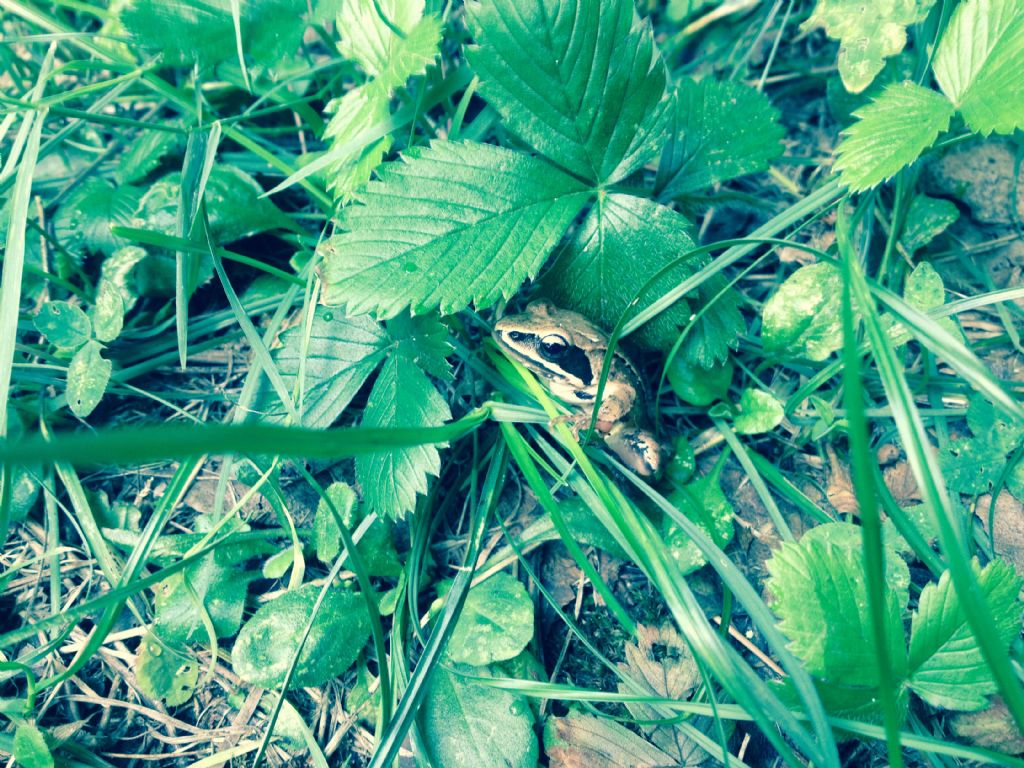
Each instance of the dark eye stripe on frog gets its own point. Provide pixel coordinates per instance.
(574, 361)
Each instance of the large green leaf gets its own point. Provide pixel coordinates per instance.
(467, 725)
(336, 359)
(203, 31)
(820, 594)
(580, 81)
(269, 640)
(867, 35)
(801, 319)
(891, 133)
(978, 64)
(719, 130)
(621, 244)
(946, 665)
(452, 224)
(496, 622)
(404, 396)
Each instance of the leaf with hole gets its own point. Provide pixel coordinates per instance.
(582, 83)
(163, 673)
(64, 325)
(88, 374)
(450, 225)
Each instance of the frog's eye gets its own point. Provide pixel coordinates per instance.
(553, 346)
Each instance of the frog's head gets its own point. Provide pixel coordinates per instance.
(554, 343)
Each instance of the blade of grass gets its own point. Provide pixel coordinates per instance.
(867, 501)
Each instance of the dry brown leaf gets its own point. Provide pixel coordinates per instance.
(839, 490)
(583, 741)
(1007, 526)
(899, 479)
(992, 728)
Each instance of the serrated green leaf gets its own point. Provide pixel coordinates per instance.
(203, 31)
(356, 111)
(946, 664)
(466, 724)
(340, 354)
(821, 596)
(719, 130)
(88, 374)
(977, 64)
(758, 412)
(582, 83)
(107, 313)
(891, 133)
(30, 748)
(867, 37)
(146, 153)
(801, 319)
(374, 44)
(402, 396)
(63, 324)
(164, 674)
(84, 219)
(621, 244)
(927, 218)
(496, 623)
(267, 643)
(211, 586)
(452, 224)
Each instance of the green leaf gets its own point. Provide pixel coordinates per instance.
(583, 84)
(924, 290)
(203, 31)
(336, 359)
(30, 748)
(621, 244)
(267, 643)
(452, 224)
(496, 622)
(163, 673)
(867, 36)
(63, 324)
(821, 596)
(373, 43)
(375, 547)
(801, 319)
(946, 664)
(977, 64)
(719, 130)
(403, 396)
(583, 740)
(758, 412)
(146, 153)
(466, 724)
(972, 465)
(83, 222)
(927, 218)
(117, 271)
(891, 133)
(214, 586)
(88, 374)
(390, 59)
(108, 312)
(703, 502)
(696, 385)
(985, 420)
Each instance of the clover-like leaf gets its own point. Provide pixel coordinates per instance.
(947, 668)
(449, 225)
(63, 324)
(163, 673)
(496, 622)
(84, 219)
(978, 64)
(758, 412)
(867, 38)
(891, 133)
(582, 82)
(88, 374)
(719, 130)
(621, 244)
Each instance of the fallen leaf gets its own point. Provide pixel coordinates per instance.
(992, 728)
(1007, 526)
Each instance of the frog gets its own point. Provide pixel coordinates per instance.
(566, 351)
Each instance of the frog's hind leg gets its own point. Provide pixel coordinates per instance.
(638, 448)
